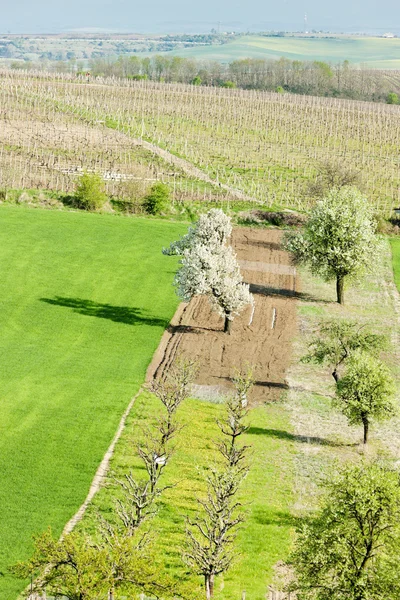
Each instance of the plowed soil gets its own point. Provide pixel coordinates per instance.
(262, 339)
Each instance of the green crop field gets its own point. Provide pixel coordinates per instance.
(379, 53)
(395, 244)
(84, 301)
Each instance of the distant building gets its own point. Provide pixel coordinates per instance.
(388, 35)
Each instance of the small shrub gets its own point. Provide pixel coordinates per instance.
(228, 84)
(392, 98)
(90, 194)
(280, 90)
(157, 200)
(197, 80)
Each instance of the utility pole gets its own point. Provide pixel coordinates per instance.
(305, 23)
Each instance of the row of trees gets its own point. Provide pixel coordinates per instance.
(315, 78)
(349, 548)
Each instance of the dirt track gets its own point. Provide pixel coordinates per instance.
(196, 330)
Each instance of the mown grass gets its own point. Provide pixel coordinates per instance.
(267, 492)
(84, 300)
(395, 245)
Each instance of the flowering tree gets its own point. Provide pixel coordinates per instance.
(212, 229)
(209, 267)
(339, 238)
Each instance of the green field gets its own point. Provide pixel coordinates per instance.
(267, 492)
(84, 301)
(379, 53)
(395, 244)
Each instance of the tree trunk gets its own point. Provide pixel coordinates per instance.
(340, 289)
(211, 586)
(366, 427)
(207, 586)
(228, 324)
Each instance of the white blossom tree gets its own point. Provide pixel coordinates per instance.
(339, 238)
(212, 229)
(209, 267)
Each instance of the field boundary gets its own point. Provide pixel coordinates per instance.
(102, 470)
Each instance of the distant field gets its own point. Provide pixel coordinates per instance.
(373, 52)
(84, 300)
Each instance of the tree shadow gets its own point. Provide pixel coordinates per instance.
(272, 384)
(264, 290)
(119, 314)
(190, 329)
(268, 516)
(261, 244)
(285, 435)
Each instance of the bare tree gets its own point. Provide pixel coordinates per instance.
(211, 536)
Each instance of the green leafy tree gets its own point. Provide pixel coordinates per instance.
(90, 194)
(350, 550)
(197, 80)
(339, 240)
(338, 340)
(366, 392)
(392, 98)
(157, 200)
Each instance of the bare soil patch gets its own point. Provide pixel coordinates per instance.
(262, 339)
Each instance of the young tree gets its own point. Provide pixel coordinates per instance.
(338, 340)
(332, 175)
(339, 238)
(350, 550)
(209, 267)
(210, 536)
(366, 392)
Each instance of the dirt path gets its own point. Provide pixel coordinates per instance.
(262, 339)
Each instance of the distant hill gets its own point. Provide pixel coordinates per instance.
(374, 52)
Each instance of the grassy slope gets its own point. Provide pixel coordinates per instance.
(267, 491)
(374, 52)
(67, 376)
(323, 434)
(395, 244)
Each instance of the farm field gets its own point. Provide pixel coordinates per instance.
(373, 52)
(263, 147)
(84, 302)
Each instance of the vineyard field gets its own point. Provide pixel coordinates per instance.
(210, 142)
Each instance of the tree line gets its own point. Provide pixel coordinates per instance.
(311, 78)
(314, 78)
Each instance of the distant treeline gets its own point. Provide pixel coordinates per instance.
(314, 78)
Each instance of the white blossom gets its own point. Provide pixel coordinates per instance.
(212, 229)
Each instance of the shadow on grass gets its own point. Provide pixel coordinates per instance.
(285, 435)
(264, 290)
(272, 384)
(119, 314)
(267, 516)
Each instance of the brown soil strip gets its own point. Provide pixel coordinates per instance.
(196, 330)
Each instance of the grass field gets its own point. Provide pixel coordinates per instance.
(84, 301)
(395, 244)
(379, 53)
(267, 492)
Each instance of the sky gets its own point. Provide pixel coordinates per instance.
(170, 16)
